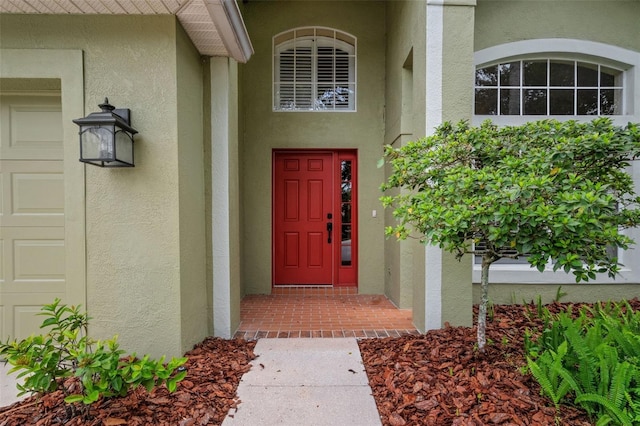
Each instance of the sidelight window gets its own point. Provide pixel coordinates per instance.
(346, 203)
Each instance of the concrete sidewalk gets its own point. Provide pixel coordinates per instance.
(305, 382)
(8, 389)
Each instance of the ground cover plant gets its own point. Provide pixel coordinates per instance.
(590, 357)
(554, 193)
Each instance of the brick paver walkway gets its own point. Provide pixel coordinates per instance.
(320, 313)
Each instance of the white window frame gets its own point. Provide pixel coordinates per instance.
(314, 37)
(580, 50)
(549, 88)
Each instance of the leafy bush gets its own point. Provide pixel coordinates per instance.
(66, 351)
(546, 191)
(594, 358)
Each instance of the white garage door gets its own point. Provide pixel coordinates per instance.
(32, 240)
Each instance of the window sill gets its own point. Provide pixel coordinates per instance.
(524, 274)
(515, 120)
(315, 110)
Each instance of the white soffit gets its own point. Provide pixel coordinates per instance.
(214, 26)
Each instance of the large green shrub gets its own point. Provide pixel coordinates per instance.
(553, 192)
(592, 360)
(45, 361)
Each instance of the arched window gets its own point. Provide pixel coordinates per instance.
(560, 78)
(548, 87)
(314, 69)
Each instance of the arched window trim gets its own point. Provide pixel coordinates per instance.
(570, 49)
(314, 37)
(585, 51)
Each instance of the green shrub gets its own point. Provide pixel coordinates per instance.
(592, 360)
(44, 361)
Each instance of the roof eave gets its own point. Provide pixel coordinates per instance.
(228, 20)
(215, 27)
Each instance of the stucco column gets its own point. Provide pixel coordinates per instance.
(224, 197)
(449, 97)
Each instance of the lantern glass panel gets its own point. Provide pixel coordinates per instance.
(124, 147)
(97, 143)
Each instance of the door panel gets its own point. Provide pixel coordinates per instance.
(302, 200)
(292, 250)
(316, 243)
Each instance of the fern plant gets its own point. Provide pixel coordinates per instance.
(554, 379)
(594, 358)
(633, 400)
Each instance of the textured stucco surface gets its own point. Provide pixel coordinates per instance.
(407, 22)
(30, 84)
(457, 102)
(405, 109)
(503, 294)
(265, 130)
(193, 301)
(133, 267)
(610, 21)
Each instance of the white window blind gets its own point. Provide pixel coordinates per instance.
(314, 70)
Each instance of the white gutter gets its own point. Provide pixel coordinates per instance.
(228, 21)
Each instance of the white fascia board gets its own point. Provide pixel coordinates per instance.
(228, 21)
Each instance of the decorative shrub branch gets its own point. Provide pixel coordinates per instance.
(45, 361)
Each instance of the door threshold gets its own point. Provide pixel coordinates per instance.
(313, 290)
(303, 285)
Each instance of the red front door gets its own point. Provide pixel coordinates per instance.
(303, 199)
(312, 241)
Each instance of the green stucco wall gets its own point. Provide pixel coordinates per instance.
(404, 121)
(611, 21)
(265, 130)
(504, 294)
(457, 104)
(30, 84)
(193, 288)
(140, 255)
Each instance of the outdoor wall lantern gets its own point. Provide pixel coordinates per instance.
(106, 137)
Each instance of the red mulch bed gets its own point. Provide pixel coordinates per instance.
(434, 379)
(204, 397)
(440, 379)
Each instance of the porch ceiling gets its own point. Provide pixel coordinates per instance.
(214, 26)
